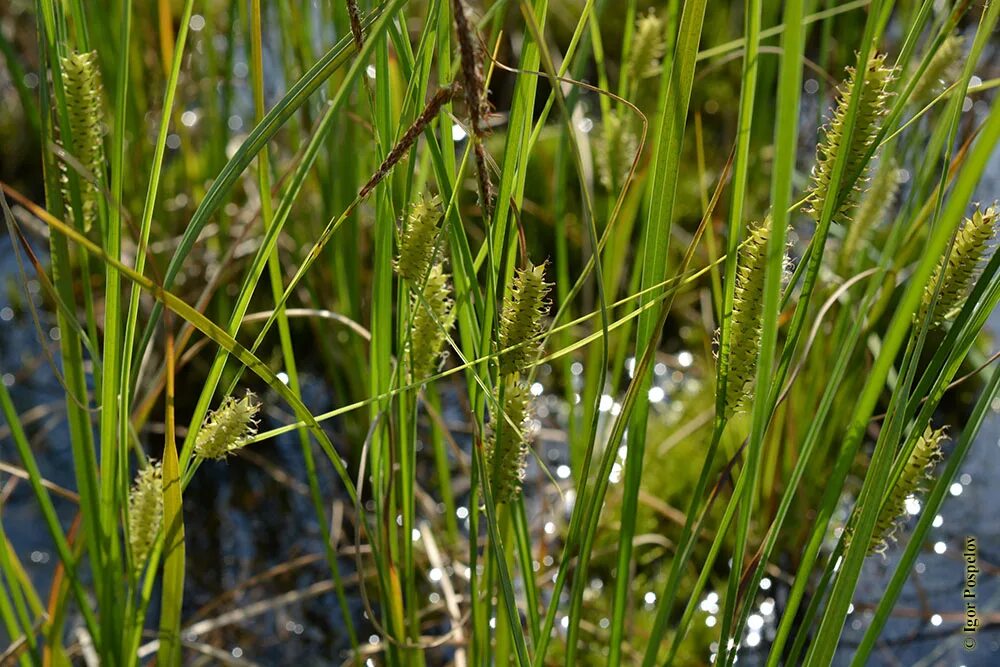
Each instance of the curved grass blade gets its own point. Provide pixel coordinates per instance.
(297, 95)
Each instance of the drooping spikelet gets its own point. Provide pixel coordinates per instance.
(972, 245)
(417, 240)
(871, 111)
(748, 297)
(433, 316)
(615, 151)
(506, 445)
(925, 455)
(402, 147)
(145, 512)
(476, 99)
(82, 82)
(941, 71)
(227, 429)
(877, 201)
(524, 307)
(648, 46)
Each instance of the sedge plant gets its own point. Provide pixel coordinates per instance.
(561, 310)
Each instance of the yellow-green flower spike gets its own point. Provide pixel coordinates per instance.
(506, 445)
(941, 71)
(615, 151)
(925, 455)
(748, 296)
(417, 240)
(972, 245)
(433, 317)
(877, 201)
(521, 323)
(229, 428)
(647, 47)
(82, 82)
(871, 111)
(145, 512)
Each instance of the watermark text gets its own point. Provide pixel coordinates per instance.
(971, 557)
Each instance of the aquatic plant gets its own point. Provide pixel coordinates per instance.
(615, 151)
(433, 317)
(249, 205)
(417, 240)
(917, 471)
(82, 82)
(145, 512)
(872, 108)
(648, 46)
(506, 445)
(521, 321)
(228, 428)
(942, 70)
(958, 272)
(748, 293)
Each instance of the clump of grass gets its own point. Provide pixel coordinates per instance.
(417, 240)
(521, 323)
(82, 81)
(943, 68)
(506, 445)
(872, 108)
(962, 268)
(925, 455)
(228, 428)
(433, 317)
(145, 512)
(326, 141)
